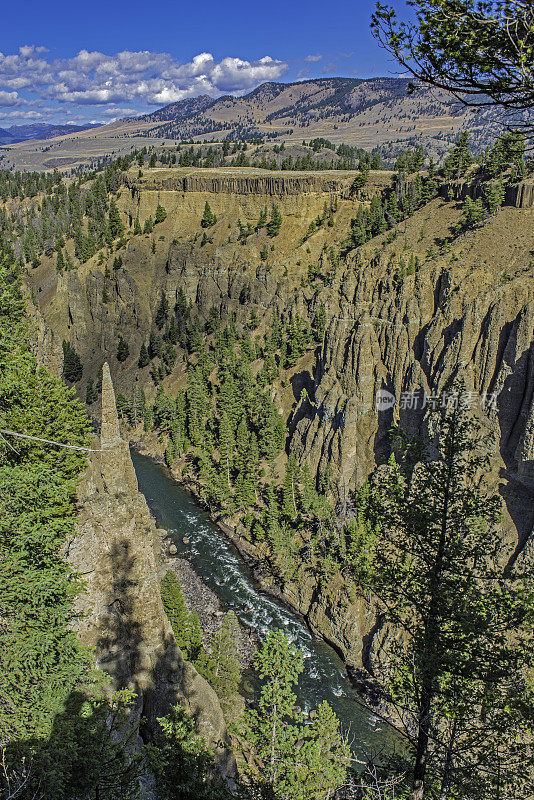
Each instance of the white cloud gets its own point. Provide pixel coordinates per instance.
(313, 58)
(28, 50)
(9, 99)
(92, 78)
(118, 113)
(35, 115)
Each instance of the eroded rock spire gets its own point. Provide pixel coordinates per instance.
(110, 435)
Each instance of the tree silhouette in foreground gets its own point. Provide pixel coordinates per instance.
(482, 52)
(455, 660)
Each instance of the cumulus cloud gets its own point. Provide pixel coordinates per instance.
(9, 99)
(31, 115)
(312, 58)
(92, 78)
(117, 113)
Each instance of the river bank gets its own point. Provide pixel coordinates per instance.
(343, 621)
(218, 563)
(202, 600)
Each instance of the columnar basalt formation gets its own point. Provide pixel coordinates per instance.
(258, 185)
(519, 195)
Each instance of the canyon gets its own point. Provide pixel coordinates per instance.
(466, 313)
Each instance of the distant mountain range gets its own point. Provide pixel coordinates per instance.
(367, 112)
(39, 130)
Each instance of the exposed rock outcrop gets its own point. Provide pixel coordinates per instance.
(114, 551)
(520, 194)
(415, 338)
(258, 185)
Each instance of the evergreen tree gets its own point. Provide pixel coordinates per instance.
(494, 194)
(162, 311)
(115, 223)
(209, 217)
(184, 767)
(292, 760)
(91, 394)
(432, 559)
(185, 626)
(155, 345)
(459, 158)
(473, 212)
(226, 673)
(60, 263)
(123, 351)
(144, 358)
(161, 214)
(275, 223)
(45, 674)
(226, 447)
(72, 365)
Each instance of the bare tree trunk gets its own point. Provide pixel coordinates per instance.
(448, 763)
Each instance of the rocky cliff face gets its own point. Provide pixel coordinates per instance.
(415, 337)
(115, 552)
(520, 194)
(227, 182)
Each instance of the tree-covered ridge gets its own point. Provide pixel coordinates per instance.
(41, 659)
(41, 213)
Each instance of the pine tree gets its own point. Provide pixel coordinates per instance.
(262, 220)
(161, 214)
(123, 351)
(182, 763)
(275, 223)
(494, 194)
(115, 223)
(225, 658)
(295, 761)
(185, 626)
(144, 358)
(60, 263)
(226, 447)
(162, 311)
(42, 665)
(91, 393)
(209, 217)
(72, 365)
(473, 212)
(435, 541)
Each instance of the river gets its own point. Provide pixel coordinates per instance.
(222, 569)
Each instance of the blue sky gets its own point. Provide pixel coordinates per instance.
(96, 61)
